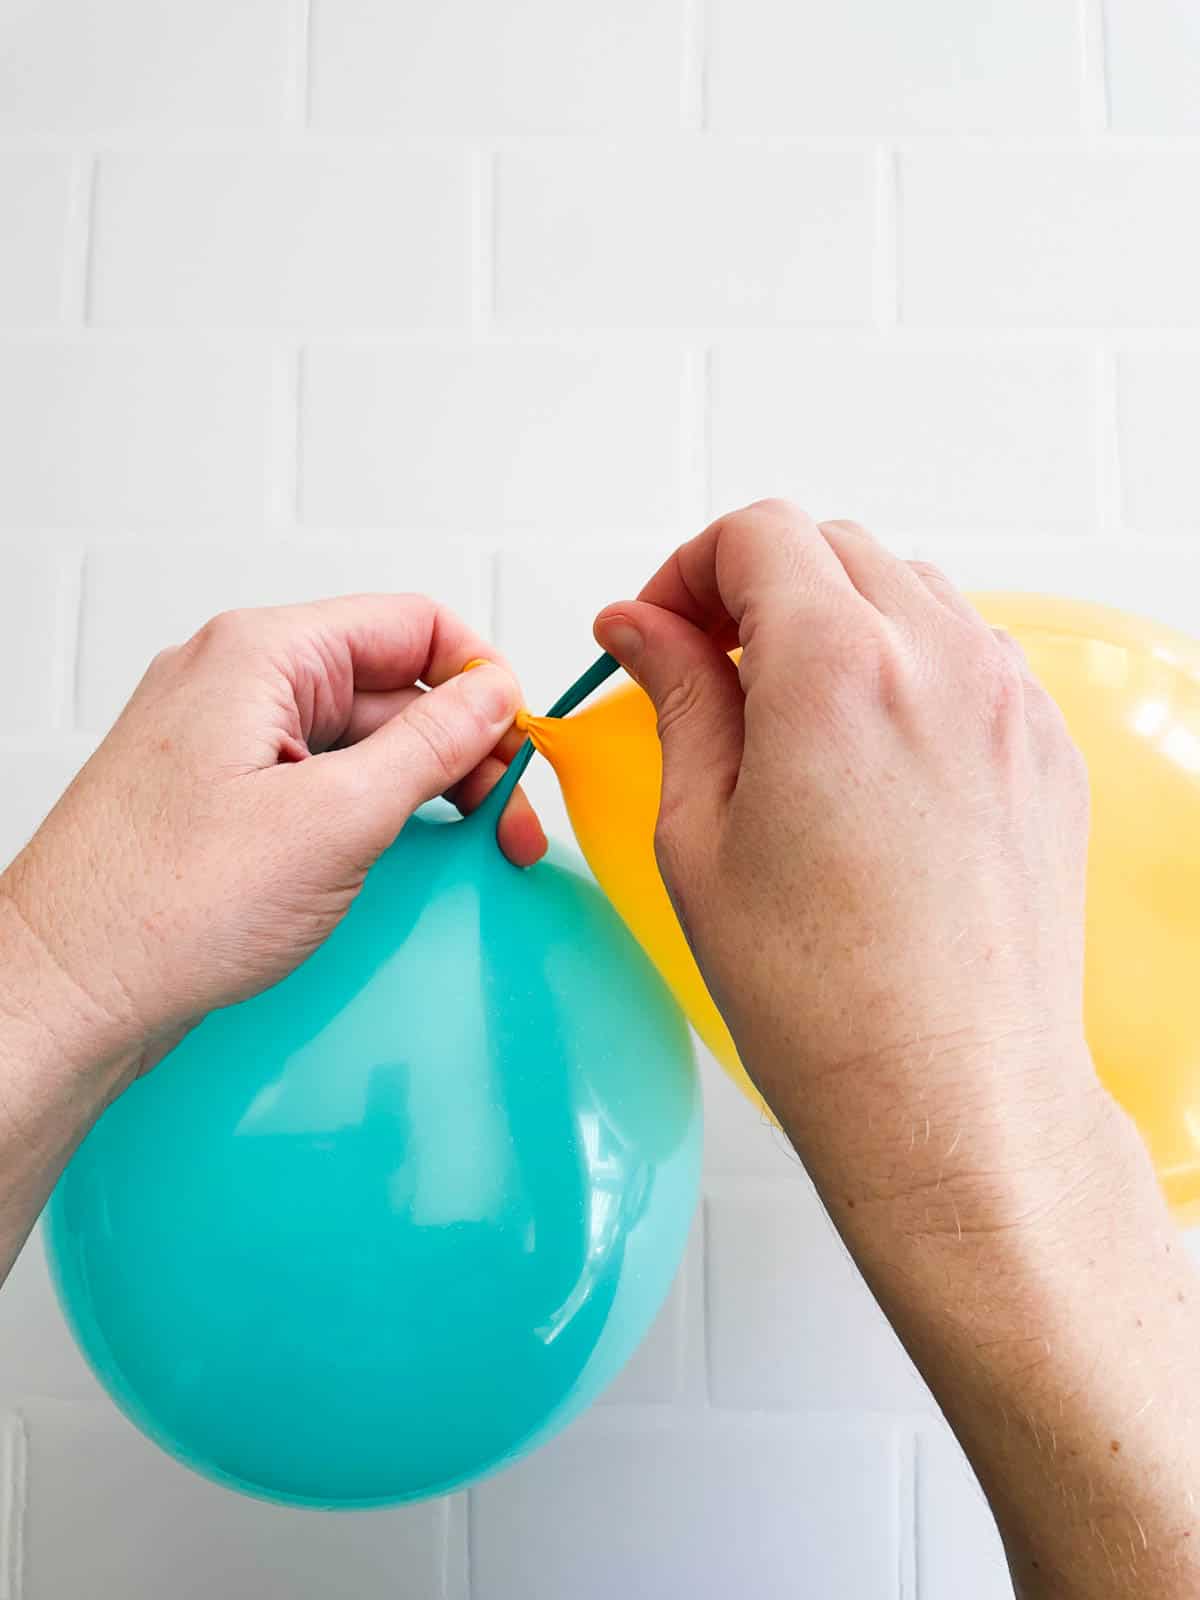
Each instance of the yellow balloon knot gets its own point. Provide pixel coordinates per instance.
(522, 721)
(476, 661)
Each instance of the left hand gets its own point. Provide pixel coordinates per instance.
(225, 824)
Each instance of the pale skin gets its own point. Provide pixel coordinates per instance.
(874, 829)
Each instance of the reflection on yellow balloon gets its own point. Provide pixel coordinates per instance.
(1130, 692)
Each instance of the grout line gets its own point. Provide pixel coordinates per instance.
(707, 512)
(483, 238)
(444, 1551)
(1095, 94)
(907, 1490)
(282, 487)
(297, 94)
(75, 688)
(469, 1544)
(695, 444)
(77, 743)
(76, 278)
(694, 84)
(490, 587)
(605, 339)
(15, 1493)
(1107, 444)
(9, 1584)
(697, 1320)
(174, 141)
(68, 641)
(706, 1297)
(885, 269)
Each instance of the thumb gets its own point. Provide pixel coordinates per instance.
(696, 693)
(439, 737)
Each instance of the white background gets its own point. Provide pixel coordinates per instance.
(499, 299)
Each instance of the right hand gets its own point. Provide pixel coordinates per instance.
(874, 830)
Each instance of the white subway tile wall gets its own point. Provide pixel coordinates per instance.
(467, 67)
(685, 235)
(498, 299)
(954, 1526)
(35, 187)
(713, 1506)
(200, 240)
(109, 1514)
(490, 438)
(123, 434)
(862, 66)
(1044, 239)
(1154, 53)
(1158, 404)
(911, 438)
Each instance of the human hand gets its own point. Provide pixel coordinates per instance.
(874, 830)
(226, 823)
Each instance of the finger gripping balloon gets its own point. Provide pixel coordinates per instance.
(393, 1222)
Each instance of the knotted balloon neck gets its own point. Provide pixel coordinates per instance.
(489, 812)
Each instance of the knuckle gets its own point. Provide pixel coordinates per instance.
(348, 783)
(668, 838)
(1062, 755)
(442, 744)
(1009, 644)
(929, 572)
(749, 524)
(773, 509)
(676, 705)
(1003, 679)
(1000, 689)
(225, 629)
(1076, 779)
(164, 661)
(866, 652)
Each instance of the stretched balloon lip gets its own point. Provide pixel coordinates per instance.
(492, 808)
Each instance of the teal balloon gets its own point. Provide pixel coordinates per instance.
(397, 1220)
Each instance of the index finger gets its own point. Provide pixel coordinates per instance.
(331, 651)
(394, 640)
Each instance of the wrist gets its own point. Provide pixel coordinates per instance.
(50, 1020)
(1057, 1346)
(1004, 1194)
(974, 1138)
(60, 1066)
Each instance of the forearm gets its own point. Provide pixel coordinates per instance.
(60, 1064)
(1056, 1318)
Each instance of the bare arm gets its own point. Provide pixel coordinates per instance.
(875, 830)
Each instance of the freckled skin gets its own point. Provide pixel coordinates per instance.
(874, 829)
(875, 826)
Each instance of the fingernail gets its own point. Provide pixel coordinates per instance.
(621, 639)
(492, 691)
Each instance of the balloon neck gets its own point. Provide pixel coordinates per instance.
(489, 813)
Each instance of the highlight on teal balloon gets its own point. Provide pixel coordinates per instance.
(396, 1221)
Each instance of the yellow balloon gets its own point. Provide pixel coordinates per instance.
(609, 766)
(1130, 692)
